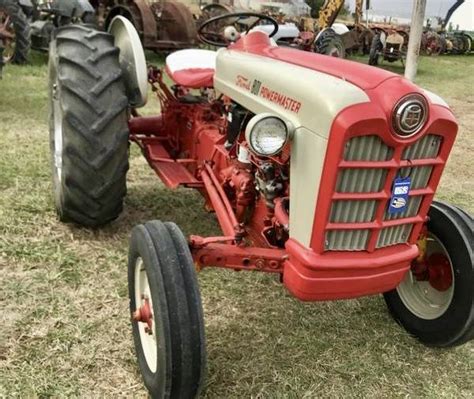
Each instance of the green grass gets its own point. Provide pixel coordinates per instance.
(64, 323)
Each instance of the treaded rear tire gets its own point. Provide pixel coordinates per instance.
(330, 43)
(22, 31)
(88, 103)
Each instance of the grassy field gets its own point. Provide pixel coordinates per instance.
(64, 325)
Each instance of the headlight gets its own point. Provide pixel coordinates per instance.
(267, 135)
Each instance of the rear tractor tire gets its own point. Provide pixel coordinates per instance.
(330, 43)
(167, 316)
(14, 21)
(436, 304)
(88, 126)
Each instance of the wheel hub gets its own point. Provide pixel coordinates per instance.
(144, 315)
(428, 289)
(439, 272)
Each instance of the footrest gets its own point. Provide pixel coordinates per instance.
(171, 172)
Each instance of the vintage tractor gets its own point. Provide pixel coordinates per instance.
(14, 32)
(389, 44)
(163, 25)
(319, 170)
(48, 15)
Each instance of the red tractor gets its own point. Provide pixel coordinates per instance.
(320, 170)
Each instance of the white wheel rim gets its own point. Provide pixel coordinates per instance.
(148, 341)
(58, 133)
(420, 297)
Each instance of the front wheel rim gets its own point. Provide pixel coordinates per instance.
(420, 297)
(147, 330)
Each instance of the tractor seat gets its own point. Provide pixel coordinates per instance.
(192, 68)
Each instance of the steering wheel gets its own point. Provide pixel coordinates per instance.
(237, 18)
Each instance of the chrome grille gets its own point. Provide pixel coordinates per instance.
(359, 180)
(353, 211)
(347, 240)
(367, 148)
(427, 147)
(420, 175)
(394, 235)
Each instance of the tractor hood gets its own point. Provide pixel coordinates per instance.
(305, 88)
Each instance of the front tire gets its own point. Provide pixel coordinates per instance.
(88, 126)
(375, 47)
(167, 317)
(437, 306)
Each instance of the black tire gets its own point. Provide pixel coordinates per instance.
(330, 43)
(21, 28)
(455, 326)
(88, 102)
(177, 311)
(375, 47)
(467, 40)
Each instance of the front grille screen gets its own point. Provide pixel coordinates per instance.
(373, 180)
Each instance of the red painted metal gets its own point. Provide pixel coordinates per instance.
(440, 273)
(144, 314)
(314, 277)
(281, 215)
(361, 75)
(185, 146)
(229, 224)
(146, 125)
(239, 179)
(239, 257)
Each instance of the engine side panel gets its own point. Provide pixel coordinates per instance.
(310, 100)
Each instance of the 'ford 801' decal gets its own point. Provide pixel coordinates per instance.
(259, 89)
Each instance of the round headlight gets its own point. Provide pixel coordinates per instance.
(266, 134)
(410, 115)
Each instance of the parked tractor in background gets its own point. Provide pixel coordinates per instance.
(48, 15)
(14, 32)
(319, 170)
(439, 38)
(388, 44)
(163, 25)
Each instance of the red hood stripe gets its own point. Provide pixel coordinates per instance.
(363, 76)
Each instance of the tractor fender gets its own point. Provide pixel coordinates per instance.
(132, 60)
(72, 8)
(140, 15)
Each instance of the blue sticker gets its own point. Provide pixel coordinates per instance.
(400, 192)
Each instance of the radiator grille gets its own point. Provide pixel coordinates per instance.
(361, 180)
(367, 148)
(347, 240)
(420, 175)
(353, 211)
(373, 182)
(425, 148)
(394, 235)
